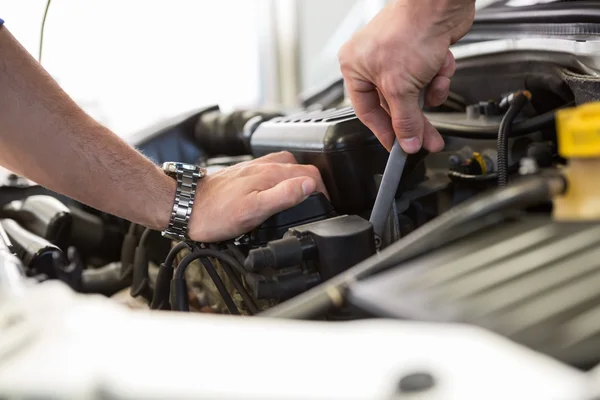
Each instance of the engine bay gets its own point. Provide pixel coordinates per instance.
(474, 236)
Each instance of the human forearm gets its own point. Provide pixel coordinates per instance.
(47, 138)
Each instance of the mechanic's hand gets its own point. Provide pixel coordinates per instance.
(237, 199)
(403, 49)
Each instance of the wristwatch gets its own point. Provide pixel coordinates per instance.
(187, 177)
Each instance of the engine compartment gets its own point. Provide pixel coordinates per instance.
(495, 268)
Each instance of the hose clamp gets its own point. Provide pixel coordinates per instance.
(187, 177)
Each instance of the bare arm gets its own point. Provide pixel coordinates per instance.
(47, 138)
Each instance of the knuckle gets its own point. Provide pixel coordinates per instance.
(312, 170)
(245, 170)
(345, 55)
(395, 89)
(407, 126)
(291, 193)
(287, 156)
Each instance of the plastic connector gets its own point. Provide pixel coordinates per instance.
(283, 253)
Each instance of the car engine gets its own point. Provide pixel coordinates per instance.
(491, 232)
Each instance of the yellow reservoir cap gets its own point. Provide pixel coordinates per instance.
(578, 131)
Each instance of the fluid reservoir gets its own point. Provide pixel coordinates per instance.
(578, 131)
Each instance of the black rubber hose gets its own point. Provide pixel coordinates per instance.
(160, 297)
(464, 219)
(517, 104)
(179, 300)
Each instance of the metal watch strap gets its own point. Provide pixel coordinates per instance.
(187, 177)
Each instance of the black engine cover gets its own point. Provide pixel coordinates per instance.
(344, 150)
(534, 281)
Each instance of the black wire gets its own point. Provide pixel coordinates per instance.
(493, 176)
(174, 252)
(248, 299)
(161, 295)
(181, 303)
(235, 280)
(459, 176)
(144, 237)
(141, 270)
(127, 252)
(223, 257)
(132, 229)
(505, 132)
(42, 30)
(531, 125)
(214, 275)
(239, 256)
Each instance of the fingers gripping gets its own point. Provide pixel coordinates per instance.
(284, 195)
(368, 107)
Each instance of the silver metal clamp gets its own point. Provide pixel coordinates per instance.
(187, 177)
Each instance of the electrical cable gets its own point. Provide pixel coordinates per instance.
(239, 286)
(179, 300)
(460, 177)
(160, 297)
(140, 285)
(174, 252)
(468, 217)
(222, 257)
(214, 276)
(531, 125)
(239, 256)
(127, 252)
(235, 280)
(517, 102)
(493, 176)
(42, 30)
(144, 237)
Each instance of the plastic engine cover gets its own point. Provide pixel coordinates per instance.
(344, 150)
(534, 281)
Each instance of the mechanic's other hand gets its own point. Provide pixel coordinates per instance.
(237, 199)
(402, 50)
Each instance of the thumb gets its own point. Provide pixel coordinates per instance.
(408, 120)
(285, 194)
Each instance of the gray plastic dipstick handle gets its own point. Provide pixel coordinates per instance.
(389, 183)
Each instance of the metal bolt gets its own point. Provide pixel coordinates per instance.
(377, 242)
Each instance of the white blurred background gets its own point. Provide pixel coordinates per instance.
(133, 63)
